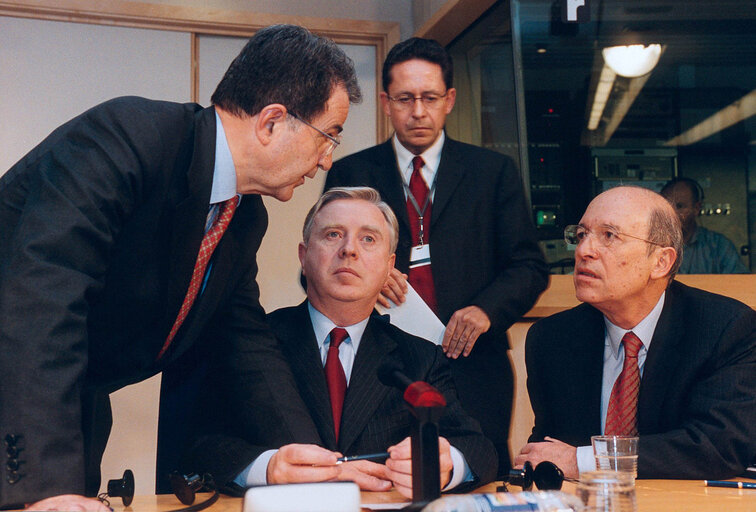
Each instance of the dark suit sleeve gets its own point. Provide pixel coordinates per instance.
(61, 209)
(522, 273)
(538, 372)
(251, 402)
(460, 429)
(717, 435)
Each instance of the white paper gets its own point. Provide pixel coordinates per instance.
(386, 506)
(415, 317)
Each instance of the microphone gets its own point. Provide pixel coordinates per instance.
(416, 393)
(427, 405)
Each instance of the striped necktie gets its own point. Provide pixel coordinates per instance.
(622, 413)
(209, 242)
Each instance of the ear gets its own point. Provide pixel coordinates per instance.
(665, 259)
(385, 104)
(270, 116)
(302, 251)
(451, 98)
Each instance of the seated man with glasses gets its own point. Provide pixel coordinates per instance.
(644, 355)
(466, 239)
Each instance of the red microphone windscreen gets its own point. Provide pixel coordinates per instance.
(422, 394)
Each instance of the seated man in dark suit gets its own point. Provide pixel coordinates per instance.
(645, 355)
(348, 251)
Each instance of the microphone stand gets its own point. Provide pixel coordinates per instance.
(427, 406)
(426, 472)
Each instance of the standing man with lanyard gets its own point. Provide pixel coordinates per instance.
(465, 235)
(114, 262)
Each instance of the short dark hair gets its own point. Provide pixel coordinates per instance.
(419, 48)
(693, 186)
(289, 65)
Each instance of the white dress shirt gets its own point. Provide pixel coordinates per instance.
(614, 359)
(256, 472)
(224, 183)
(431, 157)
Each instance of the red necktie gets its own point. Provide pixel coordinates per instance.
(209, 242)
(421, 278)
(335, 377)
(622, 414)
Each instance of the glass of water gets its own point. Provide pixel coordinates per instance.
(607, 491)
(616, 453)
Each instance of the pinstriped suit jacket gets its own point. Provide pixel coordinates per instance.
(375, 416)
(697, 399)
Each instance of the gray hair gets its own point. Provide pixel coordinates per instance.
(364, 193)
(665, 230)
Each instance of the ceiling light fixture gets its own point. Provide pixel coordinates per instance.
(734, 113)
(601, 96)
(633, 60)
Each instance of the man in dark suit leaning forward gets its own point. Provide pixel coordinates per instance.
(105, 243)
(347, 252)
(475, 261)
(645, 355)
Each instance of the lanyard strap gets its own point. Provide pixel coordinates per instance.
(411, 197)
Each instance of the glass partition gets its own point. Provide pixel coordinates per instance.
(536, 82)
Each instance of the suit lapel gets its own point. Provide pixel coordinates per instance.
(189, 214)
(365, 392)
(298, 342)
(661, 361)
(389, 181)
(449, 173)
(588, 352)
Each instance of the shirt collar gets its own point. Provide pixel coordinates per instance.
(431, 157)
(644, 330)
(224, 172)
(322, 325)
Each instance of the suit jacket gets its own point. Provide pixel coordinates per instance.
(483, 252)
(375, 416)
(697, 398)
(100, 226)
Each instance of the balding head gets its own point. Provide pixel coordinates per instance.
(628, 253)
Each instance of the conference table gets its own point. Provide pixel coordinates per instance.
(652, 496)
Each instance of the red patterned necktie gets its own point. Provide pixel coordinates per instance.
(209, 242)
(622, 414)
(335, 377)
(421, 278)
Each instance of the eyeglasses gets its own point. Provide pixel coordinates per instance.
(606, 236)
(332, 141)
(407, 101)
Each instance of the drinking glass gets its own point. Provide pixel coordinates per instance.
(616, 453)
(607, 491)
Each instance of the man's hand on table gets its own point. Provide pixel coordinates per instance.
(400, 465)
(295, 463)
(561, 454)
(69, 503)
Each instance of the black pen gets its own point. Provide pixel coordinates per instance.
(368, 456)
(725, 483)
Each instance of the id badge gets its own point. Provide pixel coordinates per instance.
(420, 256)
